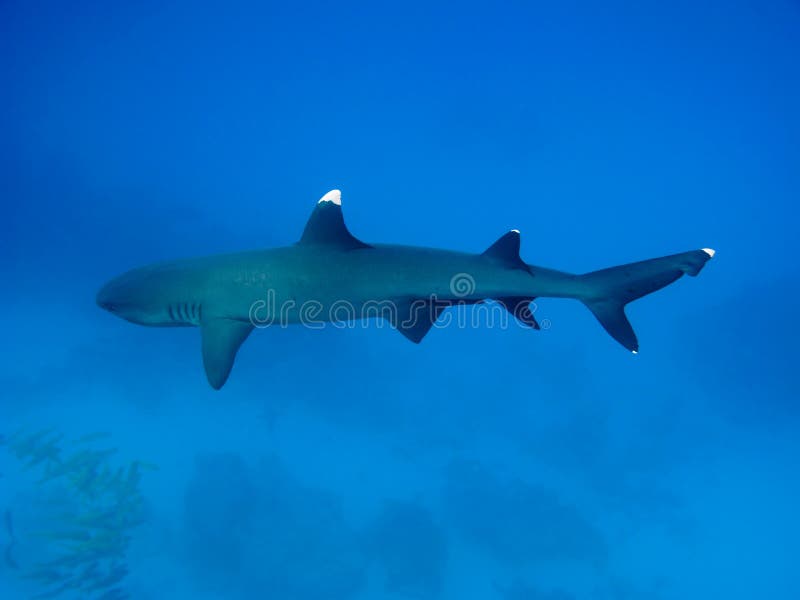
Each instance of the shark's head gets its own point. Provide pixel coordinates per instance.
(134, 296)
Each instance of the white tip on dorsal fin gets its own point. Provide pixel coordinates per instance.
(325, 226)
(506, 251)
(334, 196)
(710, 252)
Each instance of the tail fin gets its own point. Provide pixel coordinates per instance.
(609, 290)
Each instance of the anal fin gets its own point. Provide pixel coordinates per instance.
(520, 307)
(221, 341)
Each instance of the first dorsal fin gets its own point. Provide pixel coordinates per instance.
(326, 225)
(506, 251)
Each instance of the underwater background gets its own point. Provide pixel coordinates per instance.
(351, 464)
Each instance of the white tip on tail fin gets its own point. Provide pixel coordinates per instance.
(334, 196)
(710, 252)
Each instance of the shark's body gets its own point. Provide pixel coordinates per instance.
(329, 275)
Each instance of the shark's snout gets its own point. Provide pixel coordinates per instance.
(113, 296)
(135, 296)
(105, 299)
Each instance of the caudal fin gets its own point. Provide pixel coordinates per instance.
(609, 290)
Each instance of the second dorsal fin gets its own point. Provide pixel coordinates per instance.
(506, 251)
(326, 226)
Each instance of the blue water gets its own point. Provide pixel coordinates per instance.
(352, 464)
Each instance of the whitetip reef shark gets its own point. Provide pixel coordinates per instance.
(329, 274)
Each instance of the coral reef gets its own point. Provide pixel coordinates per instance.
(521, 591)
(518, 522)
(93, 506)
(259, 528)
(411, 548)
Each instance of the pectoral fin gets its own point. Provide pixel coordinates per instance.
(221, 341)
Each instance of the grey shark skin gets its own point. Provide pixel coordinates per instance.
(330, 275)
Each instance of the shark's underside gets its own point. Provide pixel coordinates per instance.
(330, 275)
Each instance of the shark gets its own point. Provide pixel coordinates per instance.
(329, 275)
